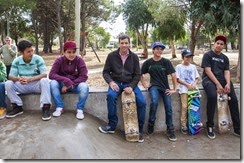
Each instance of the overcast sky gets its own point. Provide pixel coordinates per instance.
(118, 26)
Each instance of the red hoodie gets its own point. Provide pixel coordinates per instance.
(69, 72)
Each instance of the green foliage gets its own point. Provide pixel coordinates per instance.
(136, 14)
(170, 19)
(222, 15)
(99, 37)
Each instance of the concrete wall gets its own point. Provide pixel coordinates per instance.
(97, 106)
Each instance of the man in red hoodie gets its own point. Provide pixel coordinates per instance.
(69, 74)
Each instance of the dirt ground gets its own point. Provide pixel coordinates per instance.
(96, 63)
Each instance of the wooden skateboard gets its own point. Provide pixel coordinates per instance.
(223, 113)
(130, 116)
(194, 118)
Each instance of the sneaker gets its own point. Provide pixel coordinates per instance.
(106, 130)
(79, 114)
(210, 133)
(2, 112)
(171, 135)
(46, 114)
(150, 128)
(141, 138)
(58, 112)
(237, 132)
(17, 110)
(184, 130)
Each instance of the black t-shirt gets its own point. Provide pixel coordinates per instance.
(158, 71)
(217, 63)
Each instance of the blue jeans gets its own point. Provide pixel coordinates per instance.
(112, 97)
(154, 93)
(2, 95)
(82, 90)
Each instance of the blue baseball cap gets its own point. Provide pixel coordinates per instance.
(158, 44)
(186, 52)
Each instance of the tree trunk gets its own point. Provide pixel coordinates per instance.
(238, 75)
(59, 27)
(83, 28)
(143, 39)
(172, 48)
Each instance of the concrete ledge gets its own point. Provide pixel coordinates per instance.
(97, 106)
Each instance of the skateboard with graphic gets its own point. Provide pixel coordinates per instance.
(130, 116)
(194, 105)
(223, 113)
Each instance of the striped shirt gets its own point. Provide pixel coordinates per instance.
(21, 68)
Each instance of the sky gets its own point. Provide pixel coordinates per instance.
(119, 25)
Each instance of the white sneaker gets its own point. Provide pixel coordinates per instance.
(79, 114)
(58, 112)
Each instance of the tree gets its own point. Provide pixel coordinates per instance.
(99, 37)
(92, 13)
(138, 18)
(170, 26)
(215, 16)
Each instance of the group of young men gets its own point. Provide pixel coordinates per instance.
(28, 74)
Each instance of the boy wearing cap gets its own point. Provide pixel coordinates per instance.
(159, 68)
(216, 78)
(28, 74)
(122, 73)
(69, 74)
(187, 77)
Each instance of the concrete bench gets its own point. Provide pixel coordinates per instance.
(97, 106)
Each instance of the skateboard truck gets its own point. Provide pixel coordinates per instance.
(222, 98)
(194, 96)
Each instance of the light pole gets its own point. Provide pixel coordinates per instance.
(77, 25)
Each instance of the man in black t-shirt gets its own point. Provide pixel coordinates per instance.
(158, 68)
(216, 78)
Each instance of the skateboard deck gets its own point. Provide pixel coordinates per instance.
(194, 118)
(147, 80)
(223, 114)
(130, 116)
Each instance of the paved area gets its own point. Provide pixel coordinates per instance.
(28, 137)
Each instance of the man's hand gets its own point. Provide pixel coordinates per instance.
(23, 80)
(114, 86)
(227, 89)
(128, 90)
(220, 89)
(170, 91)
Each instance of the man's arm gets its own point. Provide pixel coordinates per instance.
(227, 78)
(214, 79)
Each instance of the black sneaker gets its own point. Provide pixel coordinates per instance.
(106, 130)
(171, 135)
(237, 132)
(46, 114)
(141, 138)
(17, 110)
(150, 128)
(210, 133)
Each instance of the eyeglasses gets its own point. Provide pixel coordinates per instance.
(7, 40)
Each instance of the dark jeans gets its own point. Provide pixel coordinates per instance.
(2, 95)
(112, 97)
(8, 70)
(211, 91)
(154, 94)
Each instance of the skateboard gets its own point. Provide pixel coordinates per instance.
(194, 118)
(223, 114)
(130, 116)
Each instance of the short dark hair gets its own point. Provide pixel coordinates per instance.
(23, 44)
(124, 36)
